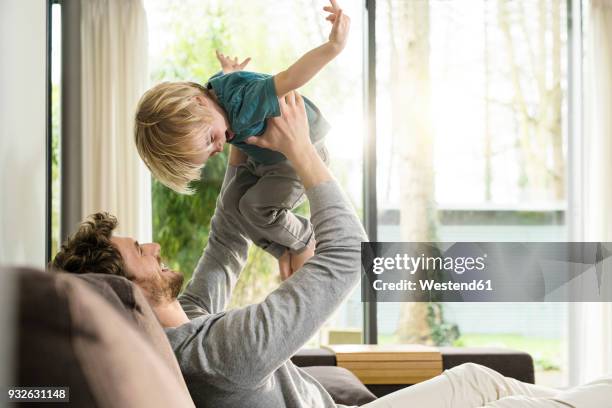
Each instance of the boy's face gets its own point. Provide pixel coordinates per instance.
(211, 140)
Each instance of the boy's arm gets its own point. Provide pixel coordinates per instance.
(304, 69)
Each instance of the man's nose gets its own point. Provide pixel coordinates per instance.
(153, 248)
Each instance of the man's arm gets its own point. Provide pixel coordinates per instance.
(304, 69)
(218, 269)
(249, 344)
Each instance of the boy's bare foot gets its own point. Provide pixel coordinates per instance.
(297, 260)
(284, 266)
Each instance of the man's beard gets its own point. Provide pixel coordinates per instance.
(165, 289)
(174, 284)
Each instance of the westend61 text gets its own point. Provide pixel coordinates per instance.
(430, 284)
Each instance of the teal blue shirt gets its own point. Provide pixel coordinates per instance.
(249, 98)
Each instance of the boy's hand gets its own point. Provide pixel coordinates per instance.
(231, 64)
(341, 24)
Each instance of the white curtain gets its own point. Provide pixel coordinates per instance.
(114, 76)
(590, 328)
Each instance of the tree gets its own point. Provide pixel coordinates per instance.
(540, 139)
(413, 133)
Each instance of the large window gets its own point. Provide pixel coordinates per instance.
(471, 139)
(183, 37)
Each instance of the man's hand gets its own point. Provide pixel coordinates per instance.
(287, 133)
(341, 24)
(231, 64)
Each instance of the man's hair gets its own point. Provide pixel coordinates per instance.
(167, 121)
(90, 248)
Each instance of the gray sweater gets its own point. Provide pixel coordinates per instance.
(240, 358)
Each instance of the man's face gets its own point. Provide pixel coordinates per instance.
(144, 268)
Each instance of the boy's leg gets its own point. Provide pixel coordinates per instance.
(233, 192)
(265, 195)
(267, 206)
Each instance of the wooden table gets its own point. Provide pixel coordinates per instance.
(389, 364)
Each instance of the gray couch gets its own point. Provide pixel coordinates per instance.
(97, 334)
(510, 363)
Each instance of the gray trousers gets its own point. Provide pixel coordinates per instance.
(264, 195)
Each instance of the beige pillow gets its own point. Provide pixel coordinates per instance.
(70, 335)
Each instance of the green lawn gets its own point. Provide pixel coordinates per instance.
(546, 353)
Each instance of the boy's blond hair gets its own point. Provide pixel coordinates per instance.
(168, 119)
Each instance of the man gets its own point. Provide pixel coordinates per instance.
(240, 358)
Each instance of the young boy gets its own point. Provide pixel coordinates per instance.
(180, 125)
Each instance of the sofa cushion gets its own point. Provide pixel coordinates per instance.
(129, 300)
(510, 363)
(117, 290)
(341, 384)
(68, 335)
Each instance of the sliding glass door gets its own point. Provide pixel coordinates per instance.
(472, 146)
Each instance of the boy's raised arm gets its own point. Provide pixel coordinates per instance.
(304, 69)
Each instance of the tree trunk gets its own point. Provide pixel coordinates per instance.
(412, 131)
(539, 127)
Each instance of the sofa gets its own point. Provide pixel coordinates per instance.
(96, 334)
(510, 363)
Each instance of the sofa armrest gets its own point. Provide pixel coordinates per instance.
(314, 357)
(508, 362)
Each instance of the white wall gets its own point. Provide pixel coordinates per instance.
(22, 152)
(22, 131)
